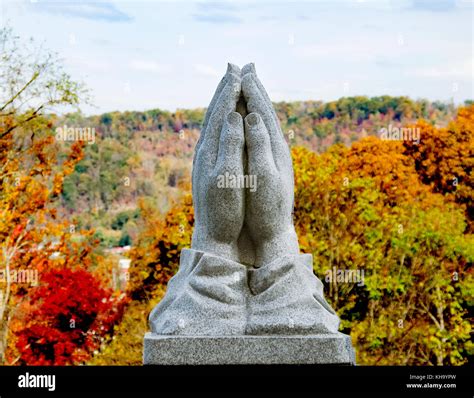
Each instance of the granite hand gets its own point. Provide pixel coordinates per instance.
(269, 208)
(219, 209)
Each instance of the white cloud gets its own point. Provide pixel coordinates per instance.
(85, 63)
(101, 11)
(206, 70)
(148, 66)
(461, 70)
(341, 50)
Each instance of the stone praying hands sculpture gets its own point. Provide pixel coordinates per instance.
(244, 276)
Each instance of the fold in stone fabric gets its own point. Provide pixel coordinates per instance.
(211, 295)
(287, 298)
(207, 296)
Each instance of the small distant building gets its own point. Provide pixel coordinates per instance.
(124, 265)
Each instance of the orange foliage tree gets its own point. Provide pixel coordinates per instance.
(33, 165)
(444, 159)
(363, 211)
(155, 258)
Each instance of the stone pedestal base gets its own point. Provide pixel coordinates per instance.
(248, 350)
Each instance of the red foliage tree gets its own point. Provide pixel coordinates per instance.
(66, 319)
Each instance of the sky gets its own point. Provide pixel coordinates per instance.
(139, 55)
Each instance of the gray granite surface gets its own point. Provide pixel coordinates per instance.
(248, 350)
(244, 293)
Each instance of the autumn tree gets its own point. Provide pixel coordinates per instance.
(66, 317)
(34, 240)
(155, 258)
(364, 209)
(444, 158)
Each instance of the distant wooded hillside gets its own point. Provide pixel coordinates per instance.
(147, 155)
